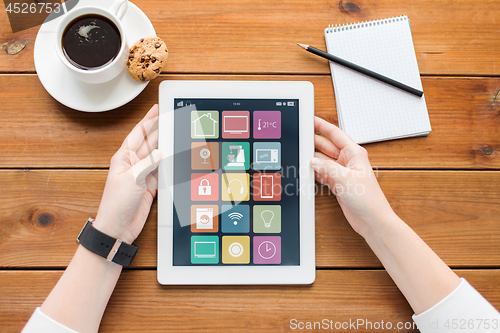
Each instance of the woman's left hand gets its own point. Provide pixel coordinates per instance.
(131, 185)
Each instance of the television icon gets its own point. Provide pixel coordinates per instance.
(235, 124)
(205, 249)
(266, 155)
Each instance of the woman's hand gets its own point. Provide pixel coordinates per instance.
(131, 186)
(422, 277)
(343, 165)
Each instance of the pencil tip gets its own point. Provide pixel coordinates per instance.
(303, 46)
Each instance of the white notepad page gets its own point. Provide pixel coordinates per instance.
(370, 110)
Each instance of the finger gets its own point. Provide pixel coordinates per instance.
(328, 168)
(322, 156)
(155, 174)
(152, 184)
(339, 138)
(145, 166)
(320, 178)
(136, 137)
(326, 146)
(149, 144)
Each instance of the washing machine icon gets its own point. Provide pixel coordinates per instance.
(204, 218)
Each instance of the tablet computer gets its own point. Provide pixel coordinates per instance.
(236, 190)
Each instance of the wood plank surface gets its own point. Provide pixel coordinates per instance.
(38, 132)
(446, 186)
(455, 212)
(140, 304)
(246, 36)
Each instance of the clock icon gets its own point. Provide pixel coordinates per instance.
(267, 250)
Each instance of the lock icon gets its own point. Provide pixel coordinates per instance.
(204, 189)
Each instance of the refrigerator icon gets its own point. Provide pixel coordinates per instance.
(266, 185)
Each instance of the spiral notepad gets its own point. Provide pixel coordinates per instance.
(369, 110)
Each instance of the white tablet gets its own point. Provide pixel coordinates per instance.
(236, 190)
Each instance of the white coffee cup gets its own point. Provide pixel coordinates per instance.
(102, 74)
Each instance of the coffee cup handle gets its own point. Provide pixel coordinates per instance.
(119, 8)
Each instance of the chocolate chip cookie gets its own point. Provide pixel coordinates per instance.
(147, 58)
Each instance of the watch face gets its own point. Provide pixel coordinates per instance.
(267, 250)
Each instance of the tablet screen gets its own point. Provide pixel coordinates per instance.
(236, 182)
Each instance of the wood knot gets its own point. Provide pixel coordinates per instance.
(349, 7)
(13, 47)
(487, 150)
(43, 219)
(496, 99)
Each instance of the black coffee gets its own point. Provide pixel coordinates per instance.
(91, 41)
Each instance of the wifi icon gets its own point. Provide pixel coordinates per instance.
(235, 217)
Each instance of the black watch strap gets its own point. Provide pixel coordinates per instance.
(106, 246)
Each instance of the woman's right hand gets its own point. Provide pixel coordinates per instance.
(343, 165)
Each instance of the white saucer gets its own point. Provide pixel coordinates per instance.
(76, 94)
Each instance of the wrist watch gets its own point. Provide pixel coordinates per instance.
(112, 249)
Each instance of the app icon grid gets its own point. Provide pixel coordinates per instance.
(262, 157)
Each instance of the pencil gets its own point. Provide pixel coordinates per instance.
(362, 70)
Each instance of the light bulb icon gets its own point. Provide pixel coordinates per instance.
(267, 217)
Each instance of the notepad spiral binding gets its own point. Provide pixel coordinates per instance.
(359, 25)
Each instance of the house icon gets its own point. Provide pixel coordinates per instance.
(205, 126)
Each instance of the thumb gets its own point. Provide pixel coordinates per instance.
(329, 168)
(145, 166)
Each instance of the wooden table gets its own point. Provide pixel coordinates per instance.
(54, 161)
